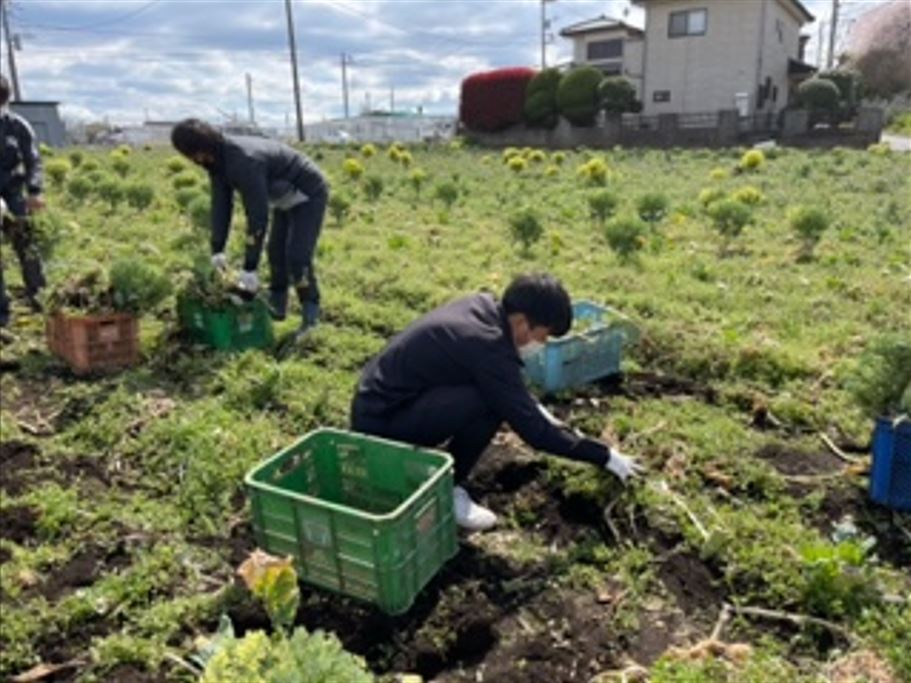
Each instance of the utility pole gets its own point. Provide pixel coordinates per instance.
(297, 89)
(543, 35)
(250, 99)
(391, 99)
(13, 72)
(346, 60)
(833, 35)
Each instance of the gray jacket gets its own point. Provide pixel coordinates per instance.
(20, 161)
(264, 172)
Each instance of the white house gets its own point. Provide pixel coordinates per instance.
(706, 55)
(703, 55)
(613, 46)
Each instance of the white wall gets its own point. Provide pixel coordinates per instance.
(703, 73)
(631, 63)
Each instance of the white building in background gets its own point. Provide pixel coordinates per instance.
(699, 56)
(382, 128)
(612, 46)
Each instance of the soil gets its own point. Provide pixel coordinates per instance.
(83, 569)
(799, 463)
(16, 458)
(654, 385)
(17, 523)
(489, 616)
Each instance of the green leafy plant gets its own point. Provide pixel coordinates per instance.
(57, 170)
(821, 98)
(730, 217)
(839, 580)
(339, 207)
(447, 192)
(176, 164)
(748, 195)
(594, 171)
(139, 195)
(517, 164)
(540, 110)
(626, 236)
(369, 150)
(185, 179)
(752, 160)
(200, 212)
(710, 195)
(417, 178)
(601, 205)
(137, 287)
(525, 228)
(618, 95)
(373, 187)
(809, 224)
(881, 380)
(353, 169)
(77, 156)
(111, 190)
(185, 196)
(652, 207)
(577, 95)
(121, 165)
(79, 188)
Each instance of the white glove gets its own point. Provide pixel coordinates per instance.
(248, 281)
(220, 261)
(623, 467)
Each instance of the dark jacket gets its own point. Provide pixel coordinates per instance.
(20, 162)
(260, 170)
(467, 342)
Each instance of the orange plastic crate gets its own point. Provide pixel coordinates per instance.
(94, 342)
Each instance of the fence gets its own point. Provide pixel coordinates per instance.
(724, 128)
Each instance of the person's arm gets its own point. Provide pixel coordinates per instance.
(252, 185)
(222, 208)
(500, 382)
(31, 158)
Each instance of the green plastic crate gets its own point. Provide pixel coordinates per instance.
(362, 516)
(233, 328)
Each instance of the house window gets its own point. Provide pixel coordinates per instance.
(614, 69)
(661, 96)
(605, 49)
(692, 22)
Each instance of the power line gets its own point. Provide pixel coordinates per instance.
(104, 22)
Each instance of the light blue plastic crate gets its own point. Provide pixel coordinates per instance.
(581, 358)
(890, 478)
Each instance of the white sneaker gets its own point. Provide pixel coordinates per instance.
(468, 514)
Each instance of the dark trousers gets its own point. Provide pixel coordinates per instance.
(18, 229)
(456, 416)
(292, 244)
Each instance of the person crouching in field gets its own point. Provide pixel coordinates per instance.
(455, 375)
(21, 186)
(268, 175)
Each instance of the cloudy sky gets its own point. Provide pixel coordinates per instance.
(128, 60)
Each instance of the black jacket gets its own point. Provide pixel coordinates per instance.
(260, 170)
(468, 341)
(20, 161)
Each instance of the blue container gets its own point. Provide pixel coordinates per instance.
(583, 357)
(890, 478)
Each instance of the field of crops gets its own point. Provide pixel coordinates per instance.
(757, 281)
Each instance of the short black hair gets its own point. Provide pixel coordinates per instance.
(192, 136)
(4, 90)
(542, 299)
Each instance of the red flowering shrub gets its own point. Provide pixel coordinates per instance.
(493, 100)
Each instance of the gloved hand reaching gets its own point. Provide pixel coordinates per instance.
(220, 261)
(623, 467)
(248, 281)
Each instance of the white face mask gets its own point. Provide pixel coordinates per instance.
(530, 349)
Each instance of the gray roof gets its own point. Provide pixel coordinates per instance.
(602, 23)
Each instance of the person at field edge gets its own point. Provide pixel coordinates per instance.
(21, 191)
(268, 175)
(454, 375)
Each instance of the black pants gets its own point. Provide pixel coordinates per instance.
(18, 229)
(457, 415)
(292, 244)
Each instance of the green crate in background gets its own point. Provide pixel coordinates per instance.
(234, 327)
(366, 517)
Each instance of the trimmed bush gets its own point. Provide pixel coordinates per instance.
(752, 160)
(447, 192)
(79, 188)
(540, 109)
(369, 150)
(339, 207)
(652, 207)
(821, 97)
(525, 228)
(626, 236)
(175, 165)
(848, 83)
(618, 95)
(594, 171)
(494, 100)
(730, 218)
(577, 96)
(601, 205)
(809, 223)
(353, 168)
(139, 195)
(373, 187)
(200, 211)
(57, 170)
